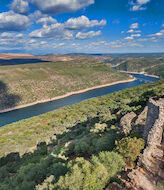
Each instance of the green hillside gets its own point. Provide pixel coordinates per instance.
(153, 66)
(23, 84)
(85, 146)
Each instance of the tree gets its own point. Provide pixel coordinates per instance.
(89, 175)
(130, 148)
(47, 184)
(112, 161)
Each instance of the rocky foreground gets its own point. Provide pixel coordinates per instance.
(149, 172)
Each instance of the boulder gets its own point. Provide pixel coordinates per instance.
(126, 122)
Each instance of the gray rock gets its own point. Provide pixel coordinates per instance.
(126, 122)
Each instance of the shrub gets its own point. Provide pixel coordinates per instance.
(94, 174)
(99, 128)
(84, 176)
(81, 148)
(112, 161)
(107, 142)
(160, 185)
(47, 184)
(105, 115)
(130, 148)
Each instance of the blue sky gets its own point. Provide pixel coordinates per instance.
(82, 26)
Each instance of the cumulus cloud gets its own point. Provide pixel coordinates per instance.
(136, 35)
(87, 35)
(10, 21)
(134, 26)
(83, 22)
(61, 6)
(20, 6)
(129, 38)
(7, 35)
(132, 36)
(113, 44)
(36, 15)
(133, 31)
(46, 20)
(158, 34)
(55, 31)
(12, 40)
(138, 5)
(52, 29)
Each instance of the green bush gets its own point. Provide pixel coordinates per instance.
(81, 148)
(47, 184)
(112, 161)
(130, 148)
(94, 174)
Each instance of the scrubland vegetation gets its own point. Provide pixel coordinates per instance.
(42, 81)
(79, 147)
(150, 65)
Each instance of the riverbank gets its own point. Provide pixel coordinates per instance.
(140, 73)
(66, 95)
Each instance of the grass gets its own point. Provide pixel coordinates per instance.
(41, 81)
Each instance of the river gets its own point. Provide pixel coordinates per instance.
(24, 113)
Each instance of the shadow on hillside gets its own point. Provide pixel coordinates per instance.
(7, 100)
(4, 62)
(77, 131)
(41, 162)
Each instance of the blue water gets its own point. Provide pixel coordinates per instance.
(24, 113)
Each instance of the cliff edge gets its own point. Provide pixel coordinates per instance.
(149, 173)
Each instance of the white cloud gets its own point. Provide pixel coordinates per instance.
(12, 40)
(143, 39)
(32, 41)
(132, 36)
(61, 6)
(136, 35)
(129, 38)
(7, 35)
(20, 6)
(83, 22)
(133, 31)
(36, 15)
(58, 45)
(134, 26)
(87, 35)
(52, 29)
(113, 44)
(138, 4)
(10, 21)
(55, 31)
(158, 34)
(46, 20)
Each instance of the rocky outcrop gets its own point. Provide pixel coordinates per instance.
(126, 122)
(141, 121)
(150, 167)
